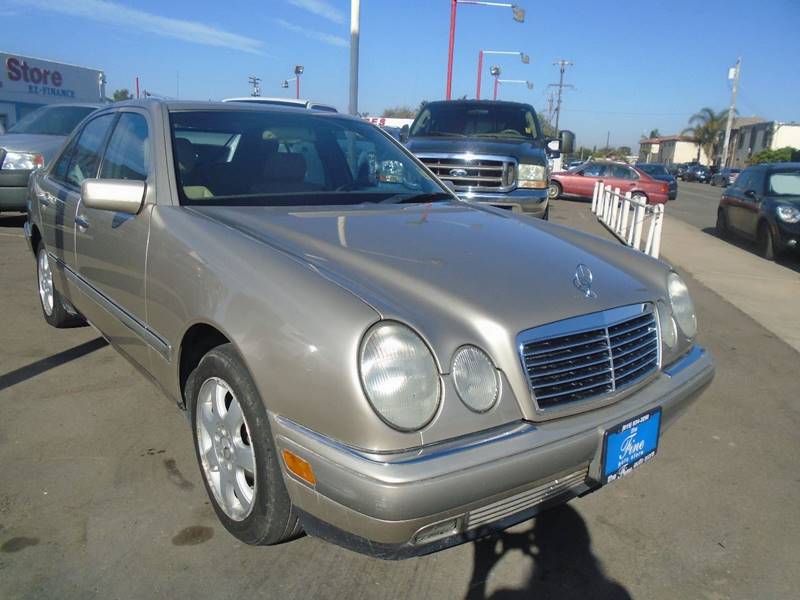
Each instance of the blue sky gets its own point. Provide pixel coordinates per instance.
(638, 65)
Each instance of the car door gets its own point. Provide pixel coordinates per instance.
(58, 193)
(622, 177)
(111, 247)
(585, 178)
(752, 198)
(734, 201)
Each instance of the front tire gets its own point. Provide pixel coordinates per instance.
(554, 190)
(236, 452)
(53, 307)
(765, 241)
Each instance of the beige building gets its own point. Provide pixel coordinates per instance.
(671, 149)
(750, 138)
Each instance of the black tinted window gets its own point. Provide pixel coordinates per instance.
(128, 152)
(59, 120)
(86, 154)
(467, 119)
(621, 172)
(61, 167)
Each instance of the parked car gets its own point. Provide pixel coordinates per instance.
(680, 171)
(291, 102)
(580, 182)
(660, 172)
(30, 144)
(698, 173)
(571, 164)
(725, 177)
(763, 205)
(492, 152)
(361, 354)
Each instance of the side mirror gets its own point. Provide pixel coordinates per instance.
(567, 139)
(750, 195)
(553, 148)
(116, 195)
(404, 134)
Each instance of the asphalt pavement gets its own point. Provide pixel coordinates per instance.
(100, 495)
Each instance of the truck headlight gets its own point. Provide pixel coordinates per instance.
(475, 378)
(789, 214)
(22, 161)
(399, 376)
(532, 176)
(682, 306)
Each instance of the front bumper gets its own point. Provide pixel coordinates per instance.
(788, 235)
(528, 201)
(386, 504)
(14, 190)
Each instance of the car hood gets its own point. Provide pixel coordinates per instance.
(46, 145)
(477, 145)
(478, 269)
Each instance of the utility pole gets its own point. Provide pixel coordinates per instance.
(562, 66)
(550, 99)
(355, 27)
(732, 74)
(608, 139)
(254, 81)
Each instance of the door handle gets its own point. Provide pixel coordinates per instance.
(82, 222)
(44, 199)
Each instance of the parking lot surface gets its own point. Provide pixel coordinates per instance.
(100, 495)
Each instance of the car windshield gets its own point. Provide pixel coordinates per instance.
(230, 157)
(459, 119)
(653, 169)
(784, 183)
(56, 120)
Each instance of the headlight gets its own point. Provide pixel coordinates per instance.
(788, 213)
(667, 324)
(532, 176)
(475, 378)
(24, 161)
(682, 307)
(399, 376)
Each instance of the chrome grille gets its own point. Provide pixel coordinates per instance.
(524, 500)
(473, 172)
(591, 356)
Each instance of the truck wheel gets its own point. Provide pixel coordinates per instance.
(53, 307)
(554, 190)
(236, 452)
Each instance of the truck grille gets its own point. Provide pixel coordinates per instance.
(592, 356)
(470, 172)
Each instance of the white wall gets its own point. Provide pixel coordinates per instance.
(786, 135)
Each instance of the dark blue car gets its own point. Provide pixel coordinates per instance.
(659, 171)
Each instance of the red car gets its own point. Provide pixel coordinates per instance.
(580, 181)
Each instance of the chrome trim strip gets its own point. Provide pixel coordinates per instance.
(150, 337)
(688, 359)
(585, 323)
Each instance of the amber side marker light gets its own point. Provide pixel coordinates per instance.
(299, 467)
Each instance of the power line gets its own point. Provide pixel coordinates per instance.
(622, 112)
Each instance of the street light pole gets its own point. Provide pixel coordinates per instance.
(517, 13)
(298, 70)
(731, 111)
(495, 72)
(355, 27)
(497, 81)
(480, 70)
(562, 65)
(523, 57)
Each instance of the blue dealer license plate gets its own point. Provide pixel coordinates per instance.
(630, 444)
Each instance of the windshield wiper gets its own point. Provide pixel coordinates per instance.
(417, 198)
(443, 134)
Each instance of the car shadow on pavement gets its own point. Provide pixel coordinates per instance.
(12, 221)
(790, 260)
(563, 564)
(45, 364)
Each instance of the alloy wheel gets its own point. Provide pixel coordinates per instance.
(224, 444)
(45, 276)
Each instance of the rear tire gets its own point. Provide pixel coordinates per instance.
(53, 306)
(639, 196)
(230, 429)
(722, 224)
(554, 190)
(765, 242)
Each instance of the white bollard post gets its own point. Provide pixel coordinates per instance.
(594, 196)
(638, 222)
(623, 220)
(658, 223)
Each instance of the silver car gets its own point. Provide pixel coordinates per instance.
(361, 355)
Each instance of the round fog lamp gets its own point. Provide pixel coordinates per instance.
(475, 378)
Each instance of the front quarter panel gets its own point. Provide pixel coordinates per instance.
(297, 331)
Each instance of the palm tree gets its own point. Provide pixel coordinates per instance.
(707, 128)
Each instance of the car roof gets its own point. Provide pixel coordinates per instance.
(209, 105)
(475, 102)
(78, 104)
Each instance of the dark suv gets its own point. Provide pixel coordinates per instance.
(491, 152)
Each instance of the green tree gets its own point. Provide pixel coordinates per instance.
(399, 112)
(785, 154)
(707, 128)
(654, 133)
(123, 94)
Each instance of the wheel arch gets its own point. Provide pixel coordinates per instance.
(36, 237)
(198, 339)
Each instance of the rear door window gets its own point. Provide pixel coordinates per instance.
(594, 170)
(85, 157)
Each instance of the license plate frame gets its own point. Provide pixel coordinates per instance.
(633, 442)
